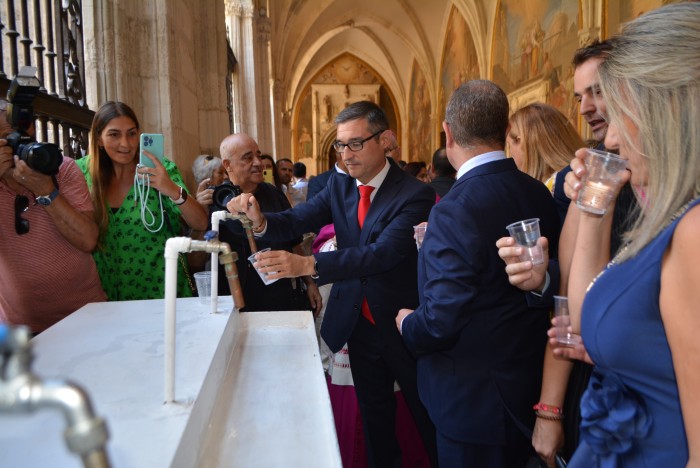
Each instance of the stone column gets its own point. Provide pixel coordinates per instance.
(167, 60)
(249, 34)
(233, 29)
(263, 84)
(281, 118)
(591, 21)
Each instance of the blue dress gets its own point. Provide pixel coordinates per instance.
(631, 412)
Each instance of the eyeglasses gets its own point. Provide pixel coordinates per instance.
(21, 205)
(353, 145)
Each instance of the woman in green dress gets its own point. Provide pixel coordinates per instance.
(129, 255)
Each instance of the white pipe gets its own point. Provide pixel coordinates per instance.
(173, 247)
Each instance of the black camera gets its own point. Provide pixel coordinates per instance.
(42, 157)
(224, 193)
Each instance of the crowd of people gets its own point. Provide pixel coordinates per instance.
(462, 325)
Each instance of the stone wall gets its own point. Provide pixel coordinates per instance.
(167, 60)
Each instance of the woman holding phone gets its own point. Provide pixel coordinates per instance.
(137, 208)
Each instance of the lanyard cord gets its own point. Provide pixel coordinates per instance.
(142, 187)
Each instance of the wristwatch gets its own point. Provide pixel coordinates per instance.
(45, 200)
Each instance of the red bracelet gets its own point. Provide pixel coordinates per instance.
(551, 409)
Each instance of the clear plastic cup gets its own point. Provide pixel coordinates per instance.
(526, 233)
(603, 177)
(419, 234)
(203, 281)
(563, 322)
(263, 275)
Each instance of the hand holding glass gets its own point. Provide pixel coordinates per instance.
(263, 275)
(602, 179)
(562, 322)
(419, 234)
(526, 234)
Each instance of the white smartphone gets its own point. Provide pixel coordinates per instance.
(153, 143)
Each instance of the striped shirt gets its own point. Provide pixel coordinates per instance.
(43, 277)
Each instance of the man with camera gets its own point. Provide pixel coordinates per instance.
(46, 267)
(241, 159)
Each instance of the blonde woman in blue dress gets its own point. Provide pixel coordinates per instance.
(640, 314)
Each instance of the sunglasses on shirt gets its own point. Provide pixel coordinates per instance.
(21, 205)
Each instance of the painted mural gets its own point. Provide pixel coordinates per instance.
(346, 69)
(459, 59)
(622, 12)
(344, 80)
(420, 134)
(534, 41)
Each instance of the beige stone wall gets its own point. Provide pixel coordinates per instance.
(167, 60)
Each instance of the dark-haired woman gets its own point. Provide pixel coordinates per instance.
(137, 208)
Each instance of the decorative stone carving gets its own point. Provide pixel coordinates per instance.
(537, 91)
(263, 25)
(327, 101)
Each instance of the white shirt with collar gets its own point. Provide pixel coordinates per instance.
(377, 180)
(339, 170)
(480, 160)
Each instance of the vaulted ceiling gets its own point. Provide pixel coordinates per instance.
(387, 35)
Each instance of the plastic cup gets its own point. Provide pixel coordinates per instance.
(603, 177)
(203, 281)
(563, 322)
(263, 275)
(419, 234)
(526, 233)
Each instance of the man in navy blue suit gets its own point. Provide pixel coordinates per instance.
(373, 271)
(318, 183)
(478, 344)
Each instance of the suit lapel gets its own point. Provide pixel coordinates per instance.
(351, 200)
(386, 192)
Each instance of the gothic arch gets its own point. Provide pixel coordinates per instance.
(343, 80)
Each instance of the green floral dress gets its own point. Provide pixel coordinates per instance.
(130, 263)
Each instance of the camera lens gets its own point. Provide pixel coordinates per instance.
(42, 157)
(224, 193)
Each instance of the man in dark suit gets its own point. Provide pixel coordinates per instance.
(317, 183)
(373, 271)
(479, 347)
(442, 174)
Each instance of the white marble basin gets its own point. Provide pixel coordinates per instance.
(249, 389)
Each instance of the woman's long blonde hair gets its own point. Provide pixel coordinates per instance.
(101, 168)
(652, 77)
(549, 141)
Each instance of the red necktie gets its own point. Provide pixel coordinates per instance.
(362, 209)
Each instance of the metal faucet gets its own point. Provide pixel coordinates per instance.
(227, 258)
(21, 391)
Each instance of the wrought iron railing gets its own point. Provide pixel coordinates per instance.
(48, 35)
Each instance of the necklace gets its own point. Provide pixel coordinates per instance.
(620, 253)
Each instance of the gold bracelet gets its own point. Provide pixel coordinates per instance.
(260, 228)
(557, 417)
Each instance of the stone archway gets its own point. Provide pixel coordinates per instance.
(344, 80)
(326, 150)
